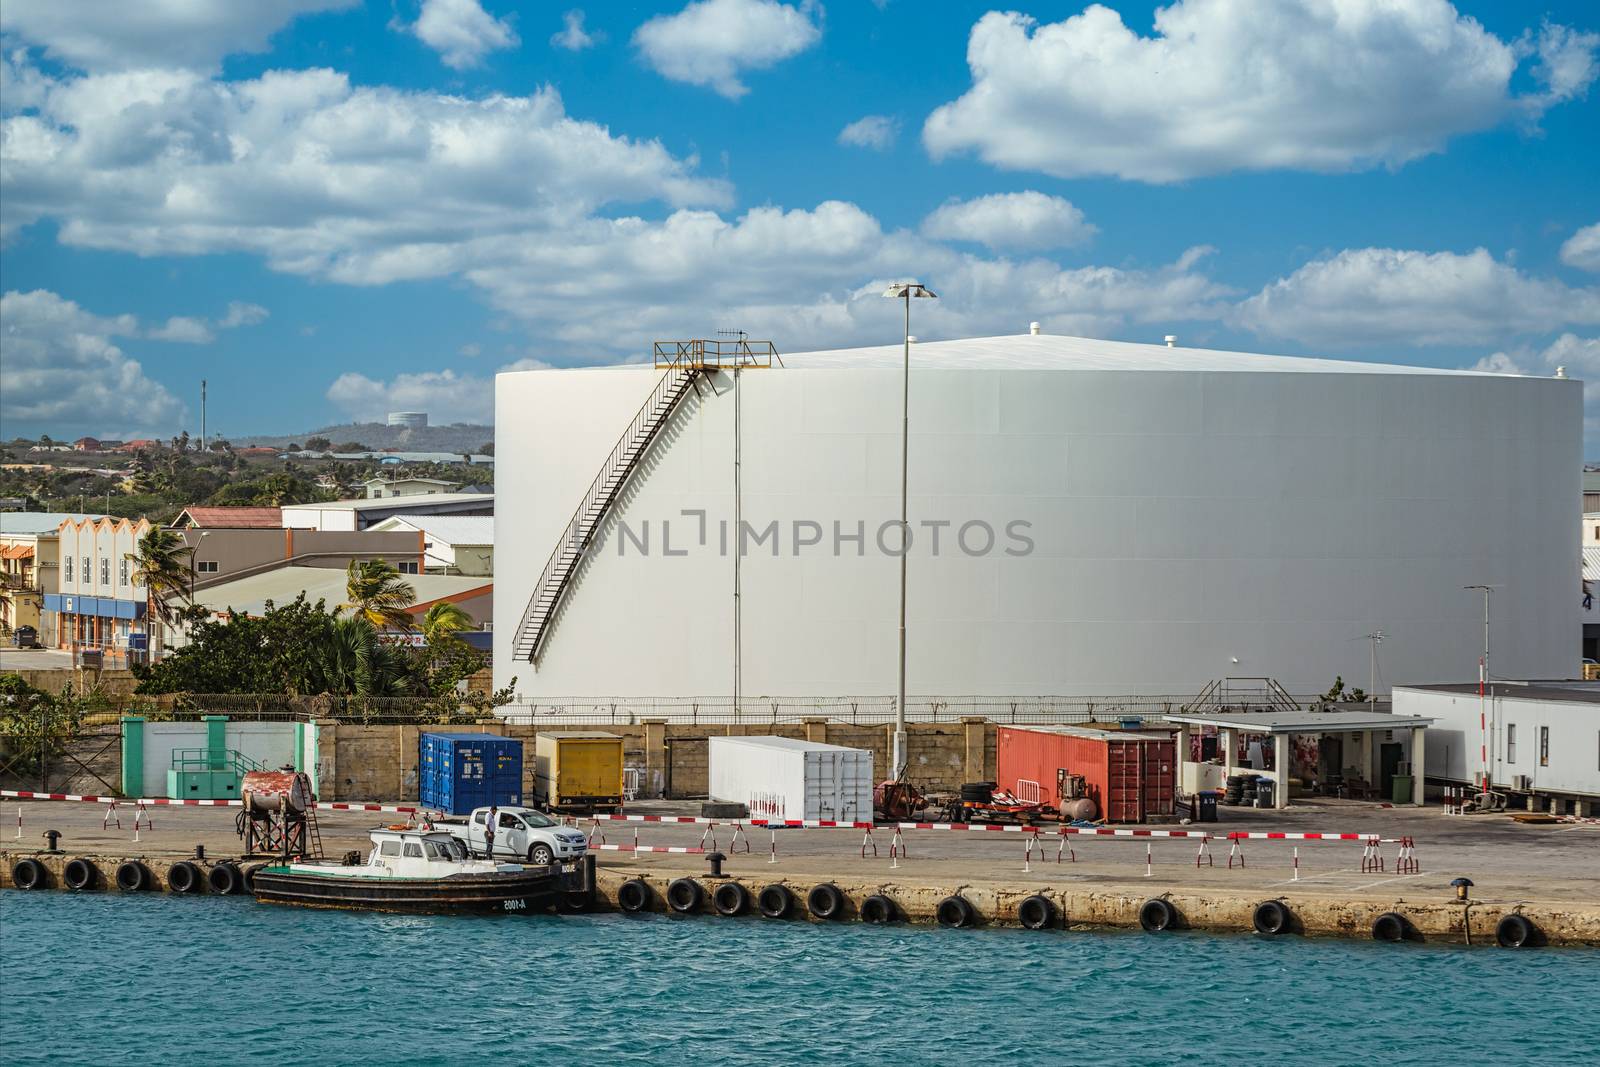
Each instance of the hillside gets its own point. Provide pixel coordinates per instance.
(460, 437)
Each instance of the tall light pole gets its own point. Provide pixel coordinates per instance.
(1483, 688)
(904, 291)
(1375, 638)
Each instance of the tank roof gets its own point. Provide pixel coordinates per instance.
(1056, 352)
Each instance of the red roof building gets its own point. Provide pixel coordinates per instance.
(229, 518)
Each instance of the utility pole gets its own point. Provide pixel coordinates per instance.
(1484, 731)
(1374, 638)
(202, 415)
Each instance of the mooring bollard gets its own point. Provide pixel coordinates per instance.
(53, 837)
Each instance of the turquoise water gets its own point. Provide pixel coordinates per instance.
(157, 979)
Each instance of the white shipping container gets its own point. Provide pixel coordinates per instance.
(780, 778)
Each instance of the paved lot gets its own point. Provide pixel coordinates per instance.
(1507, 861)
(34, 659)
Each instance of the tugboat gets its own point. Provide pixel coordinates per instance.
(417, 870)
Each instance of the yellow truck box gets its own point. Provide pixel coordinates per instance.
(578, 771)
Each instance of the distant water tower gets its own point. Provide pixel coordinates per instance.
(411, 420)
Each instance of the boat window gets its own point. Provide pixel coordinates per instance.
(436, 851)
(390, 848)
(538, 820)
(459, 847)
(413, 849)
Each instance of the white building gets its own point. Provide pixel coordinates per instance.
(366, 513)
(451, 544)
(1540, 740)
(1089, 517)
(384, 488)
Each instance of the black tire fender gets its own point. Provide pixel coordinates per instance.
(132, 876)
(1156, 915)
(29, 874)
(633, 895)
(730, 898)
(224, 880)
(80, 874)
(1272, 917)
(1517, 931)
(184, 877)
(1037, 912)
(825, 901)
(684, 895)
(879, 909)
(1391, 926)
(775, 901)
(955, 913)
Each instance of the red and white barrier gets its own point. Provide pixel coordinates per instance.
(688, 850)
(331, 805)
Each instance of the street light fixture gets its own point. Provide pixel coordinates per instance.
(906, 291)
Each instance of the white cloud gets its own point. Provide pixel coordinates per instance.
(243, 314)
(1027, 220)
(103, 35)
(1224, 86)
(192, 330)
(363, 185)
(573, 37)
(471, 350)
(183, 329)
(461, 31)
(444, 394)
(1578, 356)
(877, 132)
(64, 373)
(1582, 249)
(1381, 295)
(710, 42)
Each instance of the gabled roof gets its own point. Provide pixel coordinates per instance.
(230, 518)
(23, 523)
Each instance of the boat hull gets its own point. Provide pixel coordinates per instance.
(500, 893)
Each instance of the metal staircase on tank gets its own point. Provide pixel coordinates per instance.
(682, 363)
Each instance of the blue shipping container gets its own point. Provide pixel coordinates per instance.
(460, 772)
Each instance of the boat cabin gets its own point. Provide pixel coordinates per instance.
(421, 854)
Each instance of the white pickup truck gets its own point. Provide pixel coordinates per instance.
(524, 834)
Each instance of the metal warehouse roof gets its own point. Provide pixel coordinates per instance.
(450, 529)
(1300, 722)
(395, 503)
(249, 595)
(21, 523)
(1569, 690)
(1053, 352)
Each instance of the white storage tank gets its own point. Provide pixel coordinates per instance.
(781, 778)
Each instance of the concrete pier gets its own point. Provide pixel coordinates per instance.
(1101, 905)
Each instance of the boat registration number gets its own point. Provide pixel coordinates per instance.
(514, 905)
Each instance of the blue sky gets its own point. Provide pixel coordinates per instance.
(332, 208)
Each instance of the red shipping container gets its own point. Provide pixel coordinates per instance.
(1131, 776)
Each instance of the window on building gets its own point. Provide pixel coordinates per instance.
(86, 573)
(408, 566)
(1544, 746)
(105, 570)
(122, 572)
(1511, 743)
(207, 566)
(66, 568)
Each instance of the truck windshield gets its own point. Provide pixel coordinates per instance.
(537, 820)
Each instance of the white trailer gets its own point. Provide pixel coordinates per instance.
(1540, 739)
(781, 778)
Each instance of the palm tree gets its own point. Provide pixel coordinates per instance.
(161, 565)
(378, 593)
(357, 661)
(442, 622)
